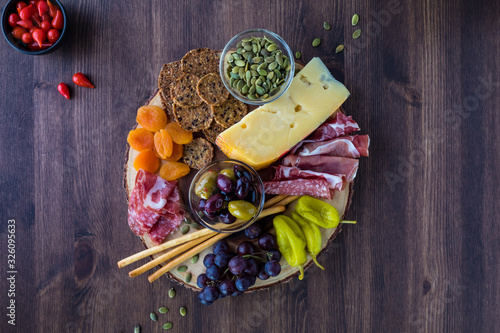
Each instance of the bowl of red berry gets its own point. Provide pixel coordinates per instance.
(34, 27)
(226, 196)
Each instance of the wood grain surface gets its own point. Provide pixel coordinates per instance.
(425, 84)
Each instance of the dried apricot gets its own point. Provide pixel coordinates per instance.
(177, 152)
(151, 117)
(163, 144)
(178, 134)
(140, 139)
(147, 160)
(173, 170)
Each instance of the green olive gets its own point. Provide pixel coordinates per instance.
(241, 209)
(206, 185)
(229, 173)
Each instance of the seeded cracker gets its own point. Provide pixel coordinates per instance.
(211, 89)
(194, 118)
(200, 62)
(230, 112)
(168, 74)
(184, 91)
(213, 131)
(198, 153)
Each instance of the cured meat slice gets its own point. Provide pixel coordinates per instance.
(335, 126)
(140, 219)
(314, 187)
(335, 182)
(346, 146)
(334, 165)
(154, 206)
(154, 191)
(165, 225)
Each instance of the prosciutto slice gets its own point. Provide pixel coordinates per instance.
(335, 182)
(154, 206)
(347, 146)
(314, 187)
(334, 165)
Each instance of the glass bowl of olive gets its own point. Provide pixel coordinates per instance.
(257, 66)
(226, 196)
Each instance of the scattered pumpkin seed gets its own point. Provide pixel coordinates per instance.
(171, 293)
(137, 328)
(356, 34)
(326, 26)
(185, 229)
(188, 277)
(181, 269)
(355, 19)
(339, 48)
(167, 326)
(163, 310)
(298, 54)
(316, 42)
(186, 220)
(194, 259)
(183, 311)
(153, 316)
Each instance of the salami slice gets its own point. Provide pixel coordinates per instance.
(314, 187)
(140, 219)
(165, 225)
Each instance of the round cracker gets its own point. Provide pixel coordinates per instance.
(168, 103)
(194, 118)
(183, 90)
(198, 153)
(200, 62)
(213, 131)
(211, 89)
(230, 112)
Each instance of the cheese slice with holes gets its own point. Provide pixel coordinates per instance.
(271, 130)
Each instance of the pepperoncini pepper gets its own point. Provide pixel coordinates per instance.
(318, 212)
(291, 242)
(312, 235)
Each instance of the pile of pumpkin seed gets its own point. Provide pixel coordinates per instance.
(257, 68)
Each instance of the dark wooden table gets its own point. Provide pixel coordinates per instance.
(425, 84)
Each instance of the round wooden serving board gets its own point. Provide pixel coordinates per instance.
(340, 201)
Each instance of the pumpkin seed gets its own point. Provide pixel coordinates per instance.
(262, 66)
(153, 316)
(247, 40)
(194, 259)
(254, 67)
(248, 75)
(167, 326)
(163, 310)
(260, 90)
(171, 293)
(236, 56)
(137, 328)
(270, 75)
(262, 72)
(272, 66)
(339, 48)
(298, 54)
(188, 277)
(240, 85)
(183, 311)
(182, 269)
(185, 229)
(326, 26)
(239, 62)
(274, 91)
(279, 59)
(356, 34)
(251, 90)
(256, 60)
(316, 42)
(269, 59)
(355, 19)
(272, 47)
(244, 90)
(252, 96)
(254, 73)
(247, 47)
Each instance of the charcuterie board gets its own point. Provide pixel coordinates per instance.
(340, 201)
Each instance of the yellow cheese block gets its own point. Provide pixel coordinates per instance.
(271, 130)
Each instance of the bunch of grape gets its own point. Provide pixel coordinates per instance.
(230, 274)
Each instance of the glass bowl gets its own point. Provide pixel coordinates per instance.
(215, 224)
(231, 46)
(10, 8)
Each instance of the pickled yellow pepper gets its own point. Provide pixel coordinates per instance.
(318, 212)
(291, 242)
(312, 235)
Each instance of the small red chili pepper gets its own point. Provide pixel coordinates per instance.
(26, 12)
(63, 89)
(39, 36)
(35, 47)
(28, 24)
(58, 20)
(20, 5)
(52, 9)
(42, 7)
(81, 80)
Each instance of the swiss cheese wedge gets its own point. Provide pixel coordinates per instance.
(271, 130)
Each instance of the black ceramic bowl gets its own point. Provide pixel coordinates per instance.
(10, 8)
